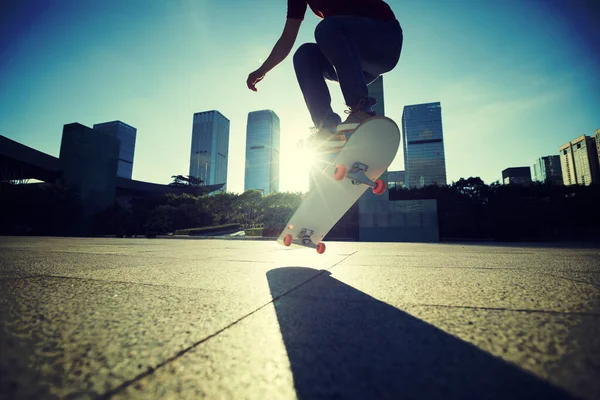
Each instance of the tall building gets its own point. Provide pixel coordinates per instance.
(547, 169)
(423, 145)
(262, 152)
(89, 160)
(210, 148)
(597, 139)
(516, 176)
(396, 179)
(126, 135)
(376, 91)
(579, 161)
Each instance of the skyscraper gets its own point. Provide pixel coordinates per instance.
(210, 148)
(423, 145)
(547, 169)
(126, 135)
(262, 152)
(396, 179)
(376, 92)
(579, 161)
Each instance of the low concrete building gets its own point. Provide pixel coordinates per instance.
(517, 176)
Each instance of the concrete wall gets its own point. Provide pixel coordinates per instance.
(398, 221)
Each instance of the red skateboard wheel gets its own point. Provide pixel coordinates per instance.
(380, 187)
(340, 172)
(321, 248)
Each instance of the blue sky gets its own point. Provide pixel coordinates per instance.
(516, 78)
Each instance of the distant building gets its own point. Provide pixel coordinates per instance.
(210, 148)
(396, 179)
(423, 145)
(579, 161)
(597, 139)
(126, 135)
(547, 169)
(376, 91)
(88, 164)
(262, 152)
(516, 176)
(89, 161)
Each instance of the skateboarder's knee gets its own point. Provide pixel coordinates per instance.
(326, 29)
(305, 52)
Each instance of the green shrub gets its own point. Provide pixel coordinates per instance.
(254, 232)
(208, 229)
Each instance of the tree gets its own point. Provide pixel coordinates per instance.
(188, 180)
(248, 208)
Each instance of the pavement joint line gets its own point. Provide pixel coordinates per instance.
(81, 278)
(128, 255)
(181, 353)
(15, 278)
(571, 279)
(520, 310)
(434, 267)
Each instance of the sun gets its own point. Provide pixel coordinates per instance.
(299, 160)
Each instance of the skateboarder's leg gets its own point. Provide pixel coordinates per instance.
(312, 68)
(359, 49)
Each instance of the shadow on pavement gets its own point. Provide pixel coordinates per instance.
(343, 343)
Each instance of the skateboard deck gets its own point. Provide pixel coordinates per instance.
(368, 152)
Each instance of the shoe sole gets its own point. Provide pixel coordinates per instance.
(347, 127)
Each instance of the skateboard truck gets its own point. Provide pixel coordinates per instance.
(304, 239)
(358, 177)
(305, 235)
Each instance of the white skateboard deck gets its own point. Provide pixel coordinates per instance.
(374, 144)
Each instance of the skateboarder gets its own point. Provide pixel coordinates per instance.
(356, 42)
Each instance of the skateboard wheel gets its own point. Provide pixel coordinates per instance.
(321, 248)
(380, 187)
(287, 240)
(340, 172)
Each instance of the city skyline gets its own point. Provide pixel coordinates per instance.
(153, 66)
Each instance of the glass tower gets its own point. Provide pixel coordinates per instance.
(396, 179)
(126, 135)
(262, 152)
(210, 148)
(423, 145)
(547, 169)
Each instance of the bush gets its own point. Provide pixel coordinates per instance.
(254, 232)
(209, 229)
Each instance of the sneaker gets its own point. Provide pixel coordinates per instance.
(326, 138)
(356, 116)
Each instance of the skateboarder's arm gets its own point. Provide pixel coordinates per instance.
(284, 45)
(280, 51)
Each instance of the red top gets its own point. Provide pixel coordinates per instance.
(374, 9)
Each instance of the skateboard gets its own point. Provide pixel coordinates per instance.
(368, 152)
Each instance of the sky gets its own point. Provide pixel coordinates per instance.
(516, 78)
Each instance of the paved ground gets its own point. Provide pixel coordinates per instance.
(218, 319)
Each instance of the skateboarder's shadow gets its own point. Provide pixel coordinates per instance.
(345, 344)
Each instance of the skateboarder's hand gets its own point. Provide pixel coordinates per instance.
(254, 78)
